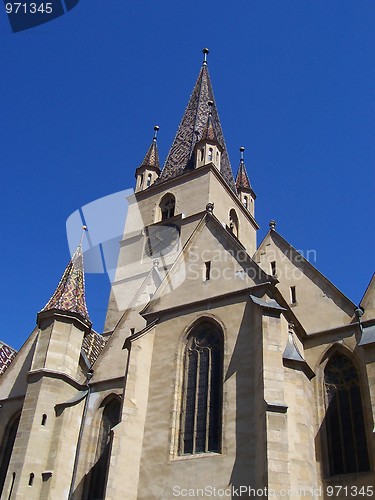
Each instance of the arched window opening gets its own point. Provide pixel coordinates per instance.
(200, 426)
(202, 154)
(233, 222)
(210, 151)
(141, 179)
(7, 448)
(167, 206)
(346, 436)
(149, 177)
(246, 202)
(111, 417)
(44, 419)
(31, 479)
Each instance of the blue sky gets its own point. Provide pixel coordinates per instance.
(294, 84)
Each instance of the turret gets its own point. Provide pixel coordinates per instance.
(149, 170)
(207, 149)
(244, 189)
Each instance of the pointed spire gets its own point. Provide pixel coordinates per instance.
(242, 179)
(181, 155)
(152, 156)
(69, 295)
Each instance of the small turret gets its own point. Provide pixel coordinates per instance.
(207, 149)
(64, 321)
(244, 189)
(149, 170)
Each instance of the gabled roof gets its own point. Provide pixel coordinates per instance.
(7, 354)
(368, 300)
(180, 157)
(69, 295)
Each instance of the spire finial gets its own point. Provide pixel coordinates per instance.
(84, 228)
(205, 52)
(272, 225)
(156, 130)
(242, 149)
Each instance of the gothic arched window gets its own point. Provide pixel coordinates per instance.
(110, 417)
(7, 447)
(346, 436)
(200, 426)
(149, 178)
(167, 206)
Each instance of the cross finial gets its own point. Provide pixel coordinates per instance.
(156, 129)
(242, 149)
(205, 52)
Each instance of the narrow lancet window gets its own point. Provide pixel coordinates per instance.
(98, 479)
(346, 436)
(207, 270)
(202, 391)
(293, 295)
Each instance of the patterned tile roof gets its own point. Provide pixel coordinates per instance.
(242, 179)
(152, 157)
(92, 345)
(180, 158)
(70, 292)
(7, 354)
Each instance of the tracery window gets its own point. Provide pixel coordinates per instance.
(110, 417)
(200, 427)
(346, 437)
(167, 206)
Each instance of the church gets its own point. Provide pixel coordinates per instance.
(226, 367)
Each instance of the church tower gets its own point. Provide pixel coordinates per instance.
(197, 172)
(223, 365)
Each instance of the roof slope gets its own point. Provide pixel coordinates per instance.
(7, 354)
(69, 295)
(193, 124)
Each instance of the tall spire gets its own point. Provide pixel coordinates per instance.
(193, 123)
(242, 179)
(69, 295)
(152, 156)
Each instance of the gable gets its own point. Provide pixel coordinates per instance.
(231, 269)
(319, 305)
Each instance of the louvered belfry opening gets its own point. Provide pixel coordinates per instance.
(346, 436)
(202, 391)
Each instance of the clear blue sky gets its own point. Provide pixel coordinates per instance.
(294, 82)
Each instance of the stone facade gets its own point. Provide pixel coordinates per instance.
(144, 411)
